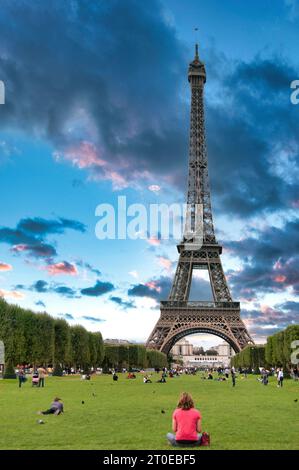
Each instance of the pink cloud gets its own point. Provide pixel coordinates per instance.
(165, 263)
(280, 278)
(153, 285)
(12, 294)
(155, 188)
(83, 155)
(153, 241)
(62, 268)
(5, 267)
(86, 155)
(20, 248)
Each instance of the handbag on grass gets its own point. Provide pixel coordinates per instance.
(205, 439)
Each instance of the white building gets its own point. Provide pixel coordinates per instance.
(206, 361)
(183, 350)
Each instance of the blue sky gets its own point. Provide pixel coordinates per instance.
(97, 106)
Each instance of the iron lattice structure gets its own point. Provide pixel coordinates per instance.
(180, 317)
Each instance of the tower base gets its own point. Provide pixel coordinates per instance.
(179, 319)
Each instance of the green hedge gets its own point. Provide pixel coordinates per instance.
(277, 351)
(38, 338)
(250, 357)
(278, 347)
(132, 356)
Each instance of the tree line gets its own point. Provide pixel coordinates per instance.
(39, 339)
(132, 356)
(276, 353)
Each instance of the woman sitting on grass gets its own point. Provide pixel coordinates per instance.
(186, 423)
(56, 408)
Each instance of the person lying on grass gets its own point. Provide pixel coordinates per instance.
(186, 423)
(56, 408)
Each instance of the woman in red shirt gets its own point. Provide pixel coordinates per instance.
(186, 423)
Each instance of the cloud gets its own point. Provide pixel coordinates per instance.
(89, 267)
(100, 288)
(62, 268)
(5, 267)
(43, 287)
(40, 286)
(93, 319)
(66, 316)
(257, 143)
(38, 250)
(65, 291)
(155, 188)
(122, 303)
(29, 235)
(165, 262)
(11, 294)
(42, 227)
(157, 289)
(40, 303)
(104, 125)
(268, 320)
(269, 259)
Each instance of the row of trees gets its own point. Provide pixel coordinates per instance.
(132, 356)
(38, 338)
(278, 352)
(251, 357)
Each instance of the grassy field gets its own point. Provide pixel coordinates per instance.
(127, 414)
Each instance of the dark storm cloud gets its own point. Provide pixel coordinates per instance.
(122, 303)
(159, 289)
(29, 235)
(253, 138)
(100, 288)
(38, 226)
(113, 72)
(114, 67)
(270, 261)
(269, 320)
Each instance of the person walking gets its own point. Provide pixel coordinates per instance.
(21, 376)
(233, 374)
(41, 376)
(280, 378)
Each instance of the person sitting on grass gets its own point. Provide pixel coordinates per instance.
(56, 408)
(186, 423)
(146, 380)
(163, 379)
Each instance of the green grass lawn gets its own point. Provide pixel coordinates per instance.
(127, 414)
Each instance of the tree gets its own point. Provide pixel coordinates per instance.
(62, 343)
(80, 346)
(111, 358)
(100, 348)
(211, 352)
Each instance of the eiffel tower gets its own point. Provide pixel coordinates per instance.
(179, 316)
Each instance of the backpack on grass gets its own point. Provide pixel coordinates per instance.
(205, 439)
